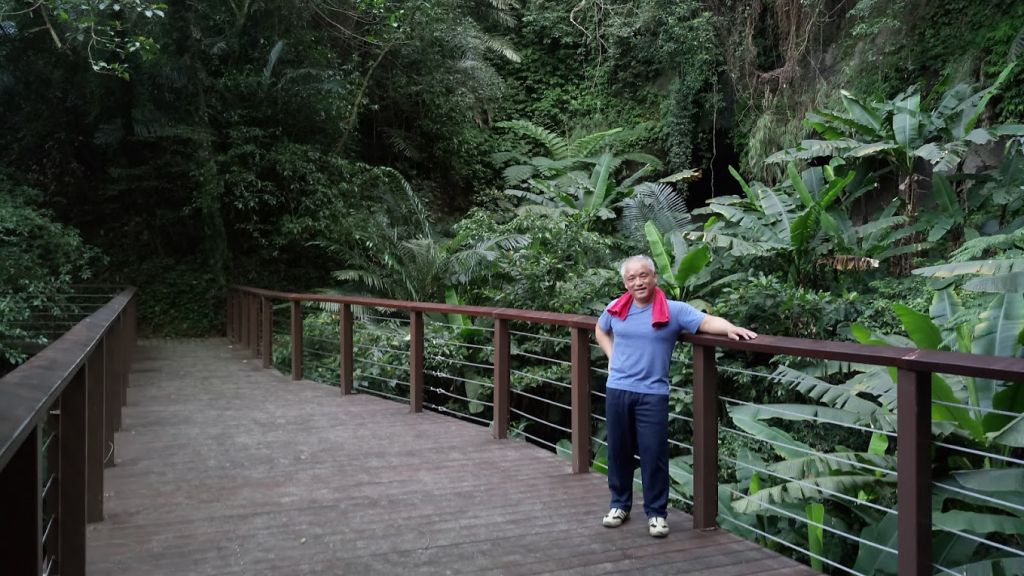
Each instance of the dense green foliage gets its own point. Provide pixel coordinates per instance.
(787, 163)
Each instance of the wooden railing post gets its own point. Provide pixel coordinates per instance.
(580, 351)
(236, 316)
(122, 359)
(72, 442)
(96, 424)
(254, 325)
(345, 370)
(296, 340)
(416, 361)
(705, 438)
(21, 508)
(111, 395)
(243, 317)
(913, 472)
(267, 348)
(229, 328)
(502, 378)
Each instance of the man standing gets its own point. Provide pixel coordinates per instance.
(637, 333)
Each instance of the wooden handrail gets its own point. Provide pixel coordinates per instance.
(943, 362)
(914, 370)
(79, 384)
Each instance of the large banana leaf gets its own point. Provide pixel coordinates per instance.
(978, 522)
(804, 490)
(993, 480)
(997, 335)
(906, 122)
(1000, 326)
(949, 411)
(780, 441)
(871, 559)
(691, 264)
(815, 533)
(837, 396)
(658, 252)
(777, 208)
(1009, 399)
(1012, 434)
(990, 267)
(863, 114)
(804, 228)
(799, 185)
(810, 149)
(599, 180)
(1005, 283)
(995, 567)
(989, 488)
(945, 306)
(797, 412)
(944, 195)
(823, 465)
(919, 327)
(585, 145)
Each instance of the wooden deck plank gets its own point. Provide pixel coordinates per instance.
(225, 468)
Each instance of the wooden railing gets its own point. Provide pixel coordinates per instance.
(58, 415)
(250, 322)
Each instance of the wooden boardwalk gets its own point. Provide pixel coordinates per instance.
(225, 468)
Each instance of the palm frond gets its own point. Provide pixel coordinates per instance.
(659, 203)
(501, 47)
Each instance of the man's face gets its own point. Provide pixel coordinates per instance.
(640, 281)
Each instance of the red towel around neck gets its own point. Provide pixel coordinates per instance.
(659, 313)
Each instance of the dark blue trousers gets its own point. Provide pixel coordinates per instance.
(637, 424)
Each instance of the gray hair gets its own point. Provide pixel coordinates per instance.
(639, 259)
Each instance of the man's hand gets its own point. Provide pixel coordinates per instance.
(722, 327)
(737, 333)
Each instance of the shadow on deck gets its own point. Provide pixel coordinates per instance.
(225, 468)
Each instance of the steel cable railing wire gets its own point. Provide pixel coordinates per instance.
(981, 453)
(823, 455)
(803, 551)
(458, 378)
(540, 378)
(979, 496)
(853, 500)
(541, 399)
(539, 357)
(785, 513)
(1016, 552)
(455, 414)
(816, 419)
(539, 420)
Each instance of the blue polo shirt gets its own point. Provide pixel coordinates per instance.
(640, 352)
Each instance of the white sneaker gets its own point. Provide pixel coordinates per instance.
(657, 526)
(615, 517)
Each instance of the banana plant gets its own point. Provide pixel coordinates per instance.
(789, 220)
(682, 275)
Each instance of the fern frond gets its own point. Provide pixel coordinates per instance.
(519, 173)
(555, 144)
